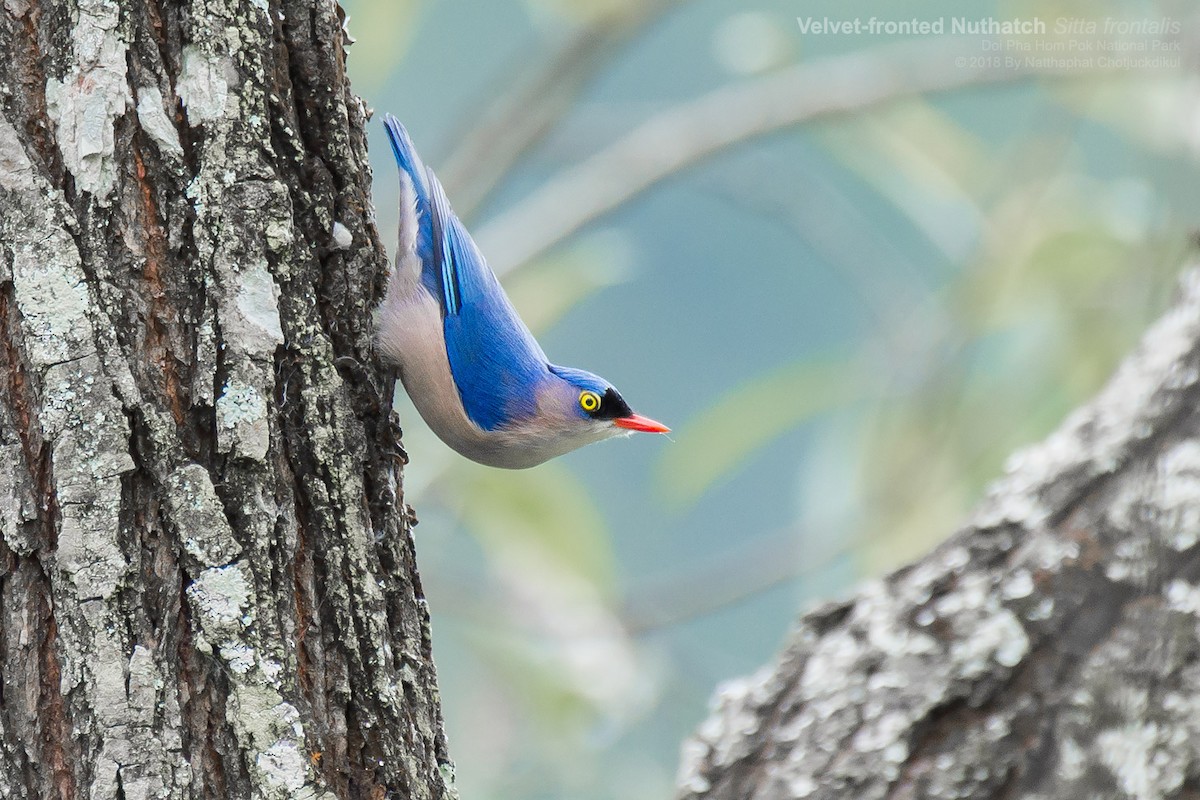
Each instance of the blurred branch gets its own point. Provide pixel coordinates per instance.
(524, 110)
(729, 579)
(691, 132)
(837, 230)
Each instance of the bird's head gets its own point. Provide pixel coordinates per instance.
(593, 402)
(575, 408)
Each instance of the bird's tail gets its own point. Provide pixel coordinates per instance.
(407, 158)
(416, 230)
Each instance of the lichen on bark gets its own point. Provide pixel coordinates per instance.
(207, 576)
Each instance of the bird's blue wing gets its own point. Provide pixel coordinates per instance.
(496, 363)
(410, 166)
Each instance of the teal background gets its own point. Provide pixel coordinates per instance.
(849, 324)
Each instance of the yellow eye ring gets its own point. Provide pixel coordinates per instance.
(589, 402)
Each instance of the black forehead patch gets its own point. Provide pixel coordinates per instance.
(612, 406)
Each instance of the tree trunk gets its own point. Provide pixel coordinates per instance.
(1050, 649)
(206, 570)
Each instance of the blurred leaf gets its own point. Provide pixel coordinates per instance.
(556, 637)
(722, 438)
(548, 288)
(539, 681)
(583, 10)
(928, 146)
(383, 32)
(545, 509)
(925, 164)
(1153, 113)
(750, 42)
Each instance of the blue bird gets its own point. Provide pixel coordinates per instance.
(470, 365)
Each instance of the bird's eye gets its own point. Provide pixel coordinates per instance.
(589, 402)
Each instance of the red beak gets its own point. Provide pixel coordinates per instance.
(636, 422)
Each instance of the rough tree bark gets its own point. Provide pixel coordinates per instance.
(1050, 649)
(207, 585)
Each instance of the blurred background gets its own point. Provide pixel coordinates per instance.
(852, 271)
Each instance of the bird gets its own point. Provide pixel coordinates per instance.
(473, 370)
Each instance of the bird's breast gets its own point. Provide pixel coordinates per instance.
(410, 334)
